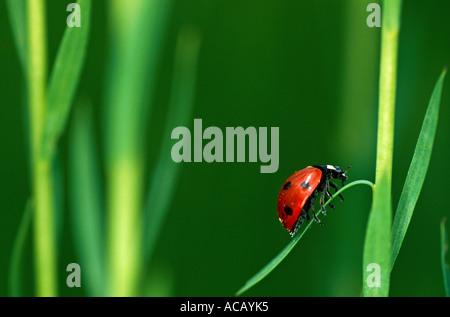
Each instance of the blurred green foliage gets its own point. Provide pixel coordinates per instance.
(310, 68)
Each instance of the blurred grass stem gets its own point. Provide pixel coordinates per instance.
(377, 248)
(137, 28)
(388, 79)
(44, 226)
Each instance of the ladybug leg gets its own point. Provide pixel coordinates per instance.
(331, 206)
(315, 216)
(331, 196)
(310, 206)
(322, 199)
(336, 189)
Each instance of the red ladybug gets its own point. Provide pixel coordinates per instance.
(297, 195)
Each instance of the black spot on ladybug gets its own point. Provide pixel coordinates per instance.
(305, 185)
(288, 210)
(287, 185)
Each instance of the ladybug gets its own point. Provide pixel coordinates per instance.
(297, 195)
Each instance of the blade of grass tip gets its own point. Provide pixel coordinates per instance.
(136, 43)
(377, 244)
(165, 174)
(15, 281)
(18, 18)
(417, 170)
(277, 260)
(445, 266)
(86, 202)
(65, 76)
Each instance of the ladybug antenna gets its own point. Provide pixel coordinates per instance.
(344, 179)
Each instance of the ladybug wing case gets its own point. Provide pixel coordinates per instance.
(294, 194)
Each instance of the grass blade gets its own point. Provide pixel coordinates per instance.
(165, 173)
(65, 76)
(18, 17)
(417, 170)
(445, 266)
(86, 202)
(15, 288)
(377, 244)
(45, 261)
(136, 42)
(277, 260)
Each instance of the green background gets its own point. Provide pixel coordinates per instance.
(307, 67)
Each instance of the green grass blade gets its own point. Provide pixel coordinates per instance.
(86, 202)
(277, 260)
(445, 266)
(45, 260)
(417, 170)
(137, 33)
(165, 173)
(15, 287)
(65, 76)
(377, 244)
(18, 17)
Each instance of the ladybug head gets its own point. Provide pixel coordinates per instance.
(337, 172)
